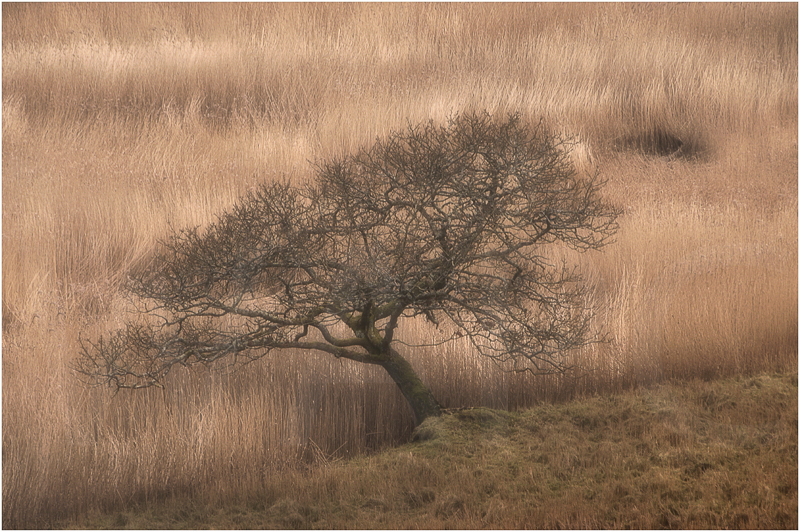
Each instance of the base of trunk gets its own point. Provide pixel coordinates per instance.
(423, 403)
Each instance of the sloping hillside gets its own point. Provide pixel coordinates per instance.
(718, 454)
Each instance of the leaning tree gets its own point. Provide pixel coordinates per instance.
(444, 223)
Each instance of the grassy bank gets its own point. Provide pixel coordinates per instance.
(715, 455)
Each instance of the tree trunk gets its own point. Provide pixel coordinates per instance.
(419, 396)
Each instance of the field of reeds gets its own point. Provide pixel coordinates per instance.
(121, 121)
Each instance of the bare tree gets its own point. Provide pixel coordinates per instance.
(443, 222)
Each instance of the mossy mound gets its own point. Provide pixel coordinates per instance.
(451, 422)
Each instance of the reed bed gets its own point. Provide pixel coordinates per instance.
(121, 121)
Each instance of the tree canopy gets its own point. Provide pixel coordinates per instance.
(442, 222)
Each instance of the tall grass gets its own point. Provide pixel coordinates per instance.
(121, 120)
